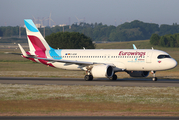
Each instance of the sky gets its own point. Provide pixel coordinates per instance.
(13, 12)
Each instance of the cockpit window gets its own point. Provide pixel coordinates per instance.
(163, 56)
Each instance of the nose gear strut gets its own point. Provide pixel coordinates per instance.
(154, 78)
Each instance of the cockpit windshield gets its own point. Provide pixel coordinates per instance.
(163, 56)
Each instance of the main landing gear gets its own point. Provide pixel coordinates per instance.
(114, 77)
(154, 78)
(88, 77)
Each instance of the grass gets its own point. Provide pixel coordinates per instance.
(140, 95)
(57, 98)
(146, 95)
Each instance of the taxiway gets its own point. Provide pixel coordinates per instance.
(128, 82)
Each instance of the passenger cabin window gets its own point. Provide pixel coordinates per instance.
(163, 56)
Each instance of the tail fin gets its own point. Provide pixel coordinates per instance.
(35, 39)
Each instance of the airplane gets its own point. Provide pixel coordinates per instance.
(98, 63)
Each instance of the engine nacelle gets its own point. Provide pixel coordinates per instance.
(102, 71)
(138, 73)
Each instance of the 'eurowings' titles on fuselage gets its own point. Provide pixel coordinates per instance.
(132, 53)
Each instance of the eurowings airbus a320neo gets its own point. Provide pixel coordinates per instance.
(98, 63)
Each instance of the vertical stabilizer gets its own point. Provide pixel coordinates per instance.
(35, 39)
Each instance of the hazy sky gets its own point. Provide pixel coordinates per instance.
(106, 11)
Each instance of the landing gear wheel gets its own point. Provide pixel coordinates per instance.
(114, 77)
(88, 77)
(154, 79)
(91, 77)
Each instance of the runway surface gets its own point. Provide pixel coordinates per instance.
(128, 82)
(87, 118)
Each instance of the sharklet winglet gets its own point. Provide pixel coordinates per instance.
(134, 46)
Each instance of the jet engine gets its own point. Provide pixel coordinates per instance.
(138, 73)
(102, 71)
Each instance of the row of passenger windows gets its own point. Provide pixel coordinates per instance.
(98, 56)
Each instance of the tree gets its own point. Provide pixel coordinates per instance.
(172, 41)
(1, 33)
(177, 40)
(163, 41)
(134, 30)
(154, 39)
(69, 40)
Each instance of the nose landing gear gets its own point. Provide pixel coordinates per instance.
(154, 78)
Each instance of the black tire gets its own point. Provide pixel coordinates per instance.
(88, 77)
(114, 77)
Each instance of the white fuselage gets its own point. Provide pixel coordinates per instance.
(127, 59)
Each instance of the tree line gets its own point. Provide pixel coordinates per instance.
(69, 40)
(169, 40)
(129, 31)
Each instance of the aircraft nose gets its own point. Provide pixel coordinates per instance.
(173, 63)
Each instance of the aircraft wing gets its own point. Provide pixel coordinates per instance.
(85, 63)
(81, 63)
(67, 61)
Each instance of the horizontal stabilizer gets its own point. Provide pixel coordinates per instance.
(23, 51)
(13, 53)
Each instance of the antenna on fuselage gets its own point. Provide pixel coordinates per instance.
(83, 48)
